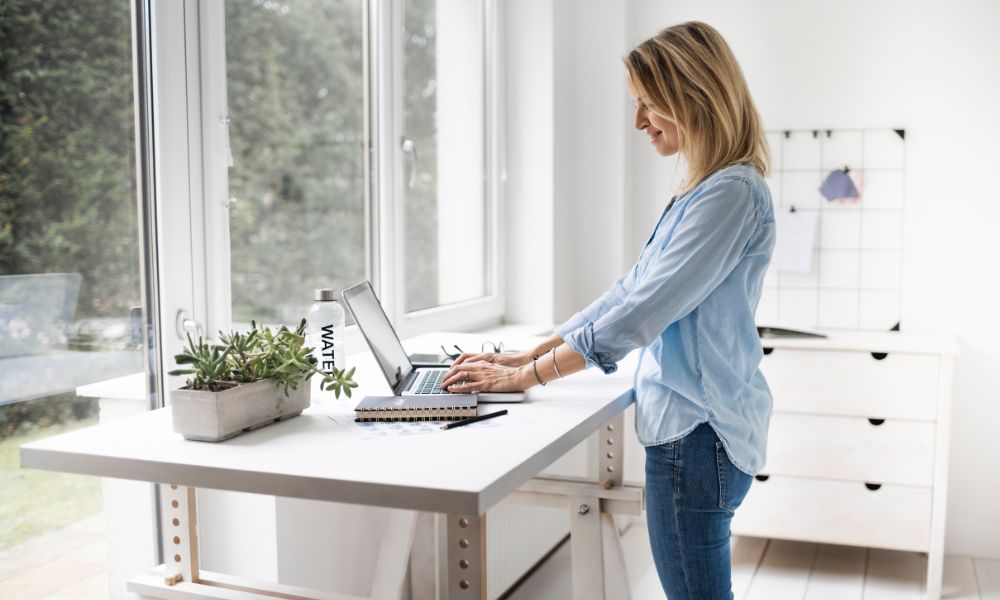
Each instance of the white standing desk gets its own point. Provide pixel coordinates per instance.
(458, 474)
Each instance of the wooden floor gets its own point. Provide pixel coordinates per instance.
(70, 565)
(778, 569)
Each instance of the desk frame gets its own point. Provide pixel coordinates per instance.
(597, 559)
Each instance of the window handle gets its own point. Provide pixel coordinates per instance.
(409, 147)
(224, 122)
(186, 325)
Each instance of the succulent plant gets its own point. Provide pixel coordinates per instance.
(281, 356)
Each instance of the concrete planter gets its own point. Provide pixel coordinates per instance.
(217, 416)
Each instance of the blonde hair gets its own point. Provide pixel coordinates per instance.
(688, 73)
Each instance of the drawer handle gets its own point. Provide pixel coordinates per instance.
(761, 477)
(876, 422)
(879, 355)
(768, 350)
(873, 486)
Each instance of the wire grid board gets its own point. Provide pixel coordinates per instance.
(857, 258)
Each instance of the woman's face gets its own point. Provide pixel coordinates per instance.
(662, 130)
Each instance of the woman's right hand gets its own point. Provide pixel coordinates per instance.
(509, 359)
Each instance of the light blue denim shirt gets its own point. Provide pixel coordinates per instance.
(689, 303)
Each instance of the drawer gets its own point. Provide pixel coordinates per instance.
(851, 448)
(837, 512)
(900, 386)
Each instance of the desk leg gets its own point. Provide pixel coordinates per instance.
(464, 574)
(610, 452)
(597, 558)
(611, 462)
(180, 531)
(598, 562)
(586, 548)
(616, 577)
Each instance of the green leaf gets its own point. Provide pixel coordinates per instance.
(280, 355)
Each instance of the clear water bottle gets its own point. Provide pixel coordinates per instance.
(325, 331)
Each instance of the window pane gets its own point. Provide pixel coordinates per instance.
(295, 90)
(69, 271)
(443, 116)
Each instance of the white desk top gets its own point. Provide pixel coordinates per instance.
(461, 471)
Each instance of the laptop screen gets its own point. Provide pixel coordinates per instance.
(378, 331)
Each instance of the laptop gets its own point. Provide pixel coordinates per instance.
(405, 378)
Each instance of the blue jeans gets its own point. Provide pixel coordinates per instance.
(692, 490)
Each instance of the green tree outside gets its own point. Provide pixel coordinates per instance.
(67, 173)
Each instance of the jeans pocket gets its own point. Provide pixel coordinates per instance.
(733, 483)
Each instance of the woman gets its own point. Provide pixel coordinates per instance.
(702, 405)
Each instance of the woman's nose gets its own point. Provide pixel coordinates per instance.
(640, 119)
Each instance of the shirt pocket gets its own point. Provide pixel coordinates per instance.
(653, 250)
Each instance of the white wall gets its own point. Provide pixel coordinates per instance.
(460, 150)
(929, 67)
(565, 174)
(528, 185)
(590, 97)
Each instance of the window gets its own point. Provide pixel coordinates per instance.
(356, 147)
(444, 145)
(281, 131)
(294, 75)
(71, 327)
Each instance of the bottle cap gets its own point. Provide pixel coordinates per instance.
(325, 295)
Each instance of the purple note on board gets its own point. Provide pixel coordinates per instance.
(838, 184)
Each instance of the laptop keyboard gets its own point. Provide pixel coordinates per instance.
(429, 382)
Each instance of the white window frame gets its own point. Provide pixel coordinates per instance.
(190, 96)
(387, 61)
(178, 167)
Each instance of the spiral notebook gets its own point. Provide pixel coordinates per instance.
(443, 407)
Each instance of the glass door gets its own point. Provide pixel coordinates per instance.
(74, 333)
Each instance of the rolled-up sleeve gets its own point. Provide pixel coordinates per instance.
(613, 297)
(707, 244)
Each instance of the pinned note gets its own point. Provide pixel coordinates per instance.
(796, 236)
(838, 185)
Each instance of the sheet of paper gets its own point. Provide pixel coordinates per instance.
(375, 430)
(796, 236)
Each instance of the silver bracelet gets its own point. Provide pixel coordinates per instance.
(554, 365)
(534, 365)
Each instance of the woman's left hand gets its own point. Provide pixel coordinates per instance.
(481, 376)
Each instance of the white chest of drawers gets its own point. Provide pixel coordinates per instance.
(858, 444)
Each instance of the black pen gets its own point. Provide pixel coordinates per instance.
(454, 424)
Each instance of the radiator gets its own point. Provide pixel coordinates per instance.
(517, 538)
